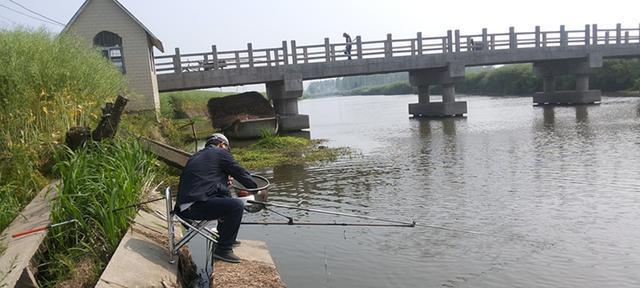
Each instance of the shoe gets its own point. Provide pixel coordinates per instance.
(226, 255)
(237, 243)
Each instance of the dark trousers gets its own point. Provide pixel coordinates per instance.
(228, 211)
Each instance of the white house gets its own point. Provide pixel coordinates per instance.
(108, 25)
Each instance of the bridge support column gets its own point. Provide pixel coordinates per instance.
(446, 77)
(284, 95)
(579, 67)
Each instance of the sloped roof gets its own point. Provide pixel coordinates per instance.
(154, 40)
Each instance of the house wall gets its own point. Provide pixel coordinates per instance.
(105, 15)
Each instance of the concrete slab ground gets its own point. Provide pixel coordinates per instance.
(141, 259)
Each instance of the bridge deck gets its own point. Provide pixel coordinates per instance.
(252, 66)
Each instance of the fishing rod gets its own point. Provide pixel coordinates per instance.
(34, 230)
(43, 228)
(290, 221)
(138, 204)
(408, 224)
(328, 224)
(521, 238)
(402, 223)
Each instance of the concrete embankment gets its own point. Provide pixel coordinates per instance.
(141, 259)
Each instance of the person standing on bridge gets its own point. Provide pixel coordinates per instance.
(347, 47)
(204, 192)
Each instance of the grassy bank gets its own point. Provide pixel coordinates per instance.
(187, 104)
(97, 179)
(48, 85)
(272, 151)
(180, 110)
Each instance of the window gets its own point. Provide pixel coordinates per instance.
(111, 46)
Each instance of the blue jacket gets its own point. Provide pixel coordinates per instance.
(206, 175)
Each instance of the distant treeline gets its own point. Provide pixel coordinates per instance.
(518, 79)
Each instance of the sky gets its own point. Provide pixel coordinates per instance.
(195, 25)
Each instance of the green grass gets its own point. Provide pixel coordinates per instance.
(187, 104)
(48, 85)
(272, 151)
(96, 180)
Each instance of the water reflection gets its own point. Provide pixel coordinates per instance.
(582, 114)
(564, 175)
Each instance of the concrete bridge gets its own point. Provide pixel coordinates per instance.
(429, 61)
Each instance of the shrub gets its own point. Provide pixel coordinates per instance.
(48, 85)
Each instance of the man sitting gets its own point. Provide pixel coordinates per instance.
(204, 192)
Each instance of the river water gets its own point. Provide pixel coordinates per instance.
(552, 193)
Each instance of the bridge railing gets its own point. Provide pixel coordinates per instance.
(452, 42)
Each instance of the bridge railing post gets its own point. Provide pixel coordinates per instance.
(214, 57)
(268, 54)
(449, 46)
(493, 42)
(285, 53)
(544, 39)
(177, 65)
(327, 50)
(626, 37)
(305, 54)
(563, 36)
(413, 47)
(484, 38)
(359, 46)
(512, 38)
(333, 53)
(294, 52)
(606, 38)
(419, 43)
(237, 54)
(618, 33)
(537, 33)
(587, 35)
(388, 47)
(250, 54)
(457, 40)
(594, 34)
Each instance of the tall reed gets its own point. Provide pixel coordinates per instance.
(47, 84)
(96, 181)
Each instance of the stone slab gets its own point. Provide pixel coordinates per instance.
(15, 263)
(567, 97)
(142, 259)
(438, 109)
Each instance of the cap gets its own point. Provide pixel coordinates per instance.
(216, 138)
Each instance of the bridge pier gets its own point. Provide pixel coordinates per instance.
(446, 77)
(284, 95)
(581, 68)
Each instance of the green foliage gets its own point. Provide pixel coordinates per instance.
(187, 104)
(616, 75)
(96, 180)
(9, 204)
(517, 79)
(48, 85)
(272, 150)
(397, 88)
(636, 85)
(510, 80)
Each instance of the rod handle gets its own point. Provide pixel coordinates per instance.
(29, 232)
